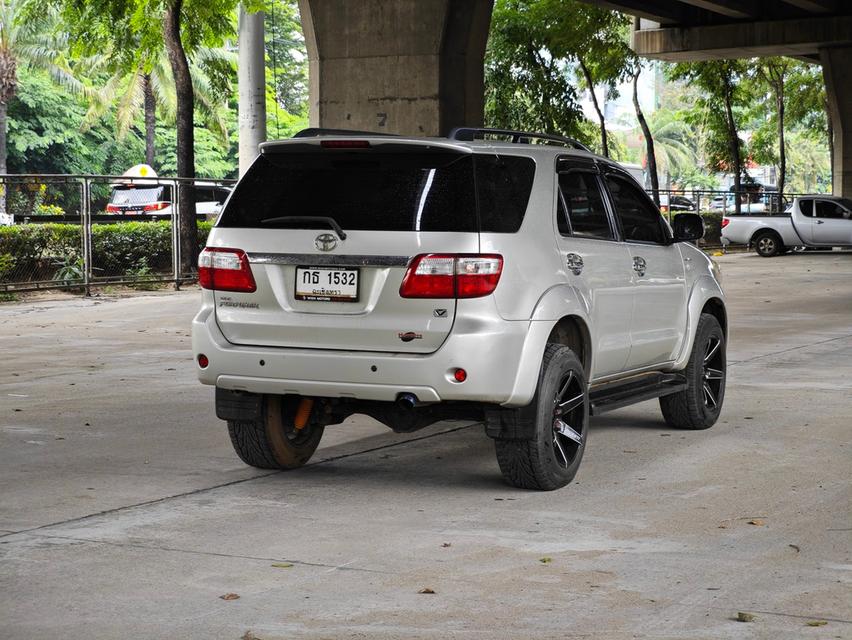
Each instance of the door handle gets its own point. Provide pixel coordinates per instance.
(575, 263)
(820, 222)
(639, 265)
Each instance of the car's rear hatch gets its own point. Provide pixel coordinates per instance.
(132, 199)
(323, 287)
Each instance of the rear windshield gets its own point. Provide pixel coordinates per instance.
(383, 191)
(136, 195)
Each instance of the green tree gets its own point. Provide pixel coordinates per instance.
(184, 27)
(142, 92)
(594, 39)
(27, 43)
(720, 82)
(527, 85)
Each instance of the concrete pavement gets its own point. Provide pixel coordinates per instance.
(124, 512)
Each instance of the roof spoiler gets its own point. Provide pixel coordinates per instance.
(314, 132)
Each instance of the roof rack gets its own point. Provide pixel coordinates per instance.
(313, 132)
(469, 134)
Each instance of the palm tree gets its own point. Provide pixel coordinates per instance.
(28, 42)
(145, 92)
(673, 143)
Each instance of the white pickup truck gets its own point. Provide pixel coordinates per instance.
(814, 221)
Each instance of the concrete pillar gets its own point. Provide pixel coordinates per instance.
(251, 81)
(836, 65)
(413, 67)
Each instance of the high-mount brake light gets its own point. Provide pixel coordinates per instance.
(445, 275)
(223, 269)
(345, 144)
(725, 222)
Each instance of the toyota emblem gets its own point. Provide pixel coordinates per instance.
(325, 242)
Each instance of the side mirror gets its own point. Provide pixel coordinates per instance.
(688, 227)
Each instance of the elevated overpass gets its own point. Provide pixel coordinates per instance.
(818, 31)
(416, 66)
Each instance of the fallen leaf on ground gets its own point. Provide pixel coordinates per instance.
(230, 596)
(745, 617)
(794, 546)
(282, 565)
(757, 522)
(545, 560)
(248, 635)
(816, 623)
(447, 544)
(426, 590)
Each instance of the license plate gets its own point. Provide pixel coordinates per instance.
(327, 284)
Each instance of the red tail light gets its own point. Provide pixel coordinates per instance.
(156, 206)
(111, 208)
(725, 222)
(225, 270)
(442, 275)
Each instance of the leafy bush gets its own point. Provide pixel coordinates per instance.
(48, 210)
(34, 249)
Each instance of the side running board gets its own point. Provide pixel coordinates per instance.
(614, 395)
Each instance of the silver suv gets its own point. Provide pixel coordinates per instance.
(526, 286)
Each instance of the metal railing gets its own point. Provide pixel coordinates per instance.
(713, 205)
(56, 231)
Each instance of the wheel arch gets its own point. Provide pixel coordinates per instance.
(706, 297)
(765, 230)
(573, 332)
(716, 308)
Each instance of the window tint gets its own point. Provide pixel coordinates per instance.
(360, 190)
(583, 206)
(640, 221)
(504, 184)
(807, 208)
(830, 210)
(132, 195)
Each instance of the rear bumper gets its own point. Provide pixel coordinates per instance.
(502, 360)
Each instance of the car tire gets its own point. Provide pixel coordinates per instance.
(273, 442)
(560, 417)
(698, 406)
(768, 244)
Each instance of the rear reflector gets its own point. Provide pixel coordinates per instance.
(440, 275)
(725, 222)
(225, 270)
(345, 144)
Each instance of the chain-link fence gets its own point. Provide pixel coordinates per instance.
(75, 232)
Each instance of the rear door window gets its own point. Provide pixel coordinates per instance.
(504, 184)
(582, 211)
(367, 190)
(639, 219)
(807, 208)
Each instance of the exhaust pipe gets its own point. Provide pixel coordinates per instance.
(406, 401)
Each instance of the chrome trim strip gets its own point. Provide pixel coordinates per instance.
(326, 260)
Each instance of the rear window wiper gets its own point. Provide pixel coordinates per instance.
(331, 222)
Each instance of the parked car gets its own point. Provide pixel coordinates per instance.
(374, 275)
(814, 221)
(147, 196)
(675, 203)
